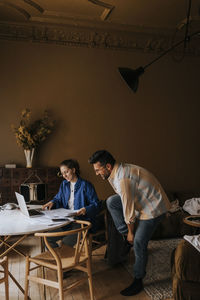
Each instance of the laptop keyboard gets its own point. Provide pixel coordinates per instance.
(34, 212)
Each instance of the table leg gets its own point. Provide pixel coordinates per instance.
(12, 247)
(8, 248)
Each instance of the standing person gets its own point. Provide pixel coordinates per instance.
(77, 194)
(139, 195)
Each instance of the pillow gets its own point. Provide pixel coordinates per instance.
(192, 206)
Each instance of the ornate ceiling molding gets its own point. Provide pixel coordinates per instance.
(138, 40)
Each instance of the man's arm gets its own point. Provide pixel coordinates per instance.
(128, 191)
(130, 236)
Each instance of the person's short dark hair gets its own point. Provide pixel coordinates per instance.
(71, 164)
(102, 156)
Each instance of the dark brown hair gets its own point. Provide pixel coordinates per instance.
(71, 164)
(103, 157)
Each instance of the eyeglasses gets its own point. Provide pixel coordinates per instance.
(100, 168)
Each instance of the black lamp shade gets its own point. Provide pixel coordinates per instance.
(131, 77)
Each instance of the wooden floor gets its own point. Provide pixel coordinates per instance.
(107, 281)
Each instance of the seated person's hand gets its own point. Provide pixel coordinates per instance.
(48, 205)
(81, 211)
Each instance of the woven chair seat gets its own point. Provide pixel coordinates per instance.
(65, 253)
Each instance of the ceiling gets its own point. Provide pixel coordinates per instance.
(166, 16)
(143, 13)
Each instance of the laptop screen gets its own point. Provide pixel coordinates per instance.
(24, 209)
(22, 204)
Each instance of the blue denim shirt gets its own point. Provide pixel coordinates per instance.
(84, 196)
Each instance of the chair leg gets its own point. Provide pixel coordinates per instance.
(90, 245)
(6, 280)
(89, 271)
(43, 286)
(26, 278)
(60, 282)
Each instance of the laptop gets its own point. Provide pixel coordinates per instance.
(23, 207)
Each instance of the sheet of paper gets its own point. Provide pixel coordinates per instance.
(59, 213)
(54, 216)
(46, 220)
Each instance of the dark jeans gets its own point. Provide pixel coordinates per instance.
(69, 240)
(144, 231)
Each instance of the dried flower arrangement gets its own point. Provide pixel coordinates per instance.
(30, 135)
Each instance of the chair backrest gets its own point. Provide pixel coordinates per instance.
(81, 247)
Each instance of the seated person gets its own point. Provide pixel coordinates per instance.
(74, 193)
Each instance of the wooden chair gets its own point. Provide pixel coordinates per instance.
(100, 237)
(4, 264)
(62, 259)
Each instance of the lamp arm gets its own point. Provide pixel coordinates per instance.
(187, 24)
(171, 48)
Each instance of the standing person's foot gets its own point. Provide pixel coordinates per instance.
(135, 288)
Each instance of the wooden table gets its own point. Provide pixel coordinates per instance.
(14, 223)
(193, 220)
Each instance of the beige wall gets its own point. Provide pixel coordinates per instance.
(157, 128)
